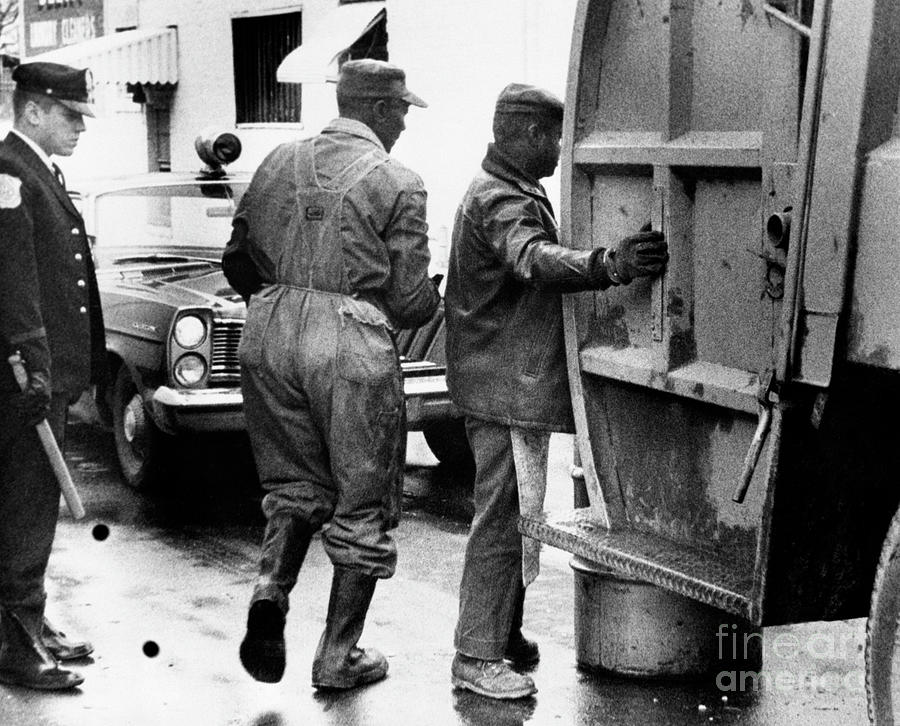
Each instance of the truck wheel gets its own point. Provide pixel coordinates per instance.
(448, 442)
(882, 648)
(139, 443)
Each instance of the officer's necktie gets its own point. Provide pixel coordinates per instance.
(59, 176)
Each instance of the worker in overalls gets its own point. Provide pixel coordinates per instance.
(329, 246)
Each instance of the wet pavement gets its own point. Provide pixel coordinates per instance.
(159, 583)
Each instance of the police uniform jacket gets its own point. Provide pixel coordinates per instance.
(505, 350)
(49, 302)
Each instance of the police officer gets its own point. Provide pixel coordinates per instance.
(329, 243)
(50, 314)
(506, 368)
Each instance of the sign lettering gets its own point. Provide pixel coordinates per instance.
(42, 34)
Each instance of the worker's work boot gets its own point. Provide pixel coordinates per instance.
(520, 651)
(24, 661)
(284, 548)
(491, 678)
(339, 663)
(61, 647)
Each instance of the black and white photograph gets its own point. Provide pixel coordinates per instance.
(453, 363)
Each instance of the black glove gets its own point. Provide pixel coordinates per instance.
(641, 255)
(34, 402)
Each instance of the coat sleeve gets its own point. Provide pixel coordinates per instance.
(412, 297)
(21, 323)
(513, 227)
(237, 264)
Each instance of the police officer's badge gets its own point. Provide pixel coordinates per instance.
(10, 194)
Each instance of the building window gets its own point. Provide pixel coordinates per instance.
(260, 44)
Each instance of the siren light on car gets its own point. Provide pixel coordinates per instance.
(216, 149)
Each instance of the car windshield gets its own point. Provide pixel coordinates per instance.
(189, 220)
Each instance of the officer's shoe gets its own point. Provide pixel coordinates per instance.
(491, 678)
(61, 647)
(262, 650)
(521, 651)
(24, 661)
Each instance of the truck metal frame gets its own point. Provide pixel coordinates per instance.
(729, 435)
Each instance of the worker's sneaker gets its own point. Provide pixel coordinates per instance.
(491, 678)
(522, 652)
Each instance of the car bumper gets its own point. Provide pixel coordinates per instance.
(426, 400)
(213, 409)
(221, 409)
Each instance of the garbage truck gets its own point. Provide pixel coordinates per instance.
(736, 444)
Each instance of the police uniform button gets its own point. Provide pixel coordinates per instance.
(82, 310)
(81, 283)
(78, 257)
(75, 230)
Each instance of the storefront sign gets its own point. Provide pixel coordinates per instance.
(52, 24)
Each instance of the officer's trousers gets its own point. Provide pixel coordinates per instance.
(29, 508)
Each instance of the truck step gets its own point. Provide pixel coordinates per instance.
(671, 565)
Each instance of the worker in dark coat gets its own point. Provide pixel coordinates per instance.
(50, 315)
(330, 246)
(506, 368)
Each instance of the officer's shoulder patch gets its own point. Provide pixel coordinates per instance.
(10, 191)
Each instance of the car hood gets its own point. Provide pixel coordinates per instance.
(182, 284)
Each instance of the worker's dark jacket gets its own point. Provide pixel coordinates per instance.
(49, 303)
(505, 350)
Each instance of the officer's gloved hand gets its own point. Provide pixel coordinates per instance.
(641, 255)
(34, 401)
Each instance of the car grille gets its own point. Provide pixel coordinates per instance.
(226, 368)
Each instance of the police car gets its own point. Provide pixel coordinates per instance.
(173, 324)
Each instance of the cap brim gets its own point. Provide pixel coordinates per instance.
(83, 108)
(413, 100)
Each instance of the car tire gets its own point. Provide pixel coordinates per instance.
(140, 445)
(448, 442)
(882, 649)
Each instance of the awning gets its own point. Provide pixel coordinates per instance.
(316, 60)
(133, 56)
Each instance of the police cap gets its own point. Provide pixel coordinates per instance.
(72, 87)
(522, 98)
(369, 78)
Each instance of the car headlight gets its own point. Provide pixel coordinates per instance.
(190, 331)
(190, 369)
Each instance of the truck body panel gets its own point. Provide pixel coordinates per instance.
(718, 406)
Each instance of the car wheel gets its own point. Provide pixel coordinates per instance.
(882, 648)
(448, 442)
(139, 443)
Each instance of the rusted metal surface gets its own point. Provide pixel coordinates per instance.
(685, 116)
(702, 118)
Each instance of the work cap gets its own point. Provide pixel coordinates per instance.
(368, 78)
(72, 87)
(522, 98)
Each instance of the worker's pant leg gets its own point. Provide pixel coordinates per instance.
(492, 569)
(293, 469)
(368, 445)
